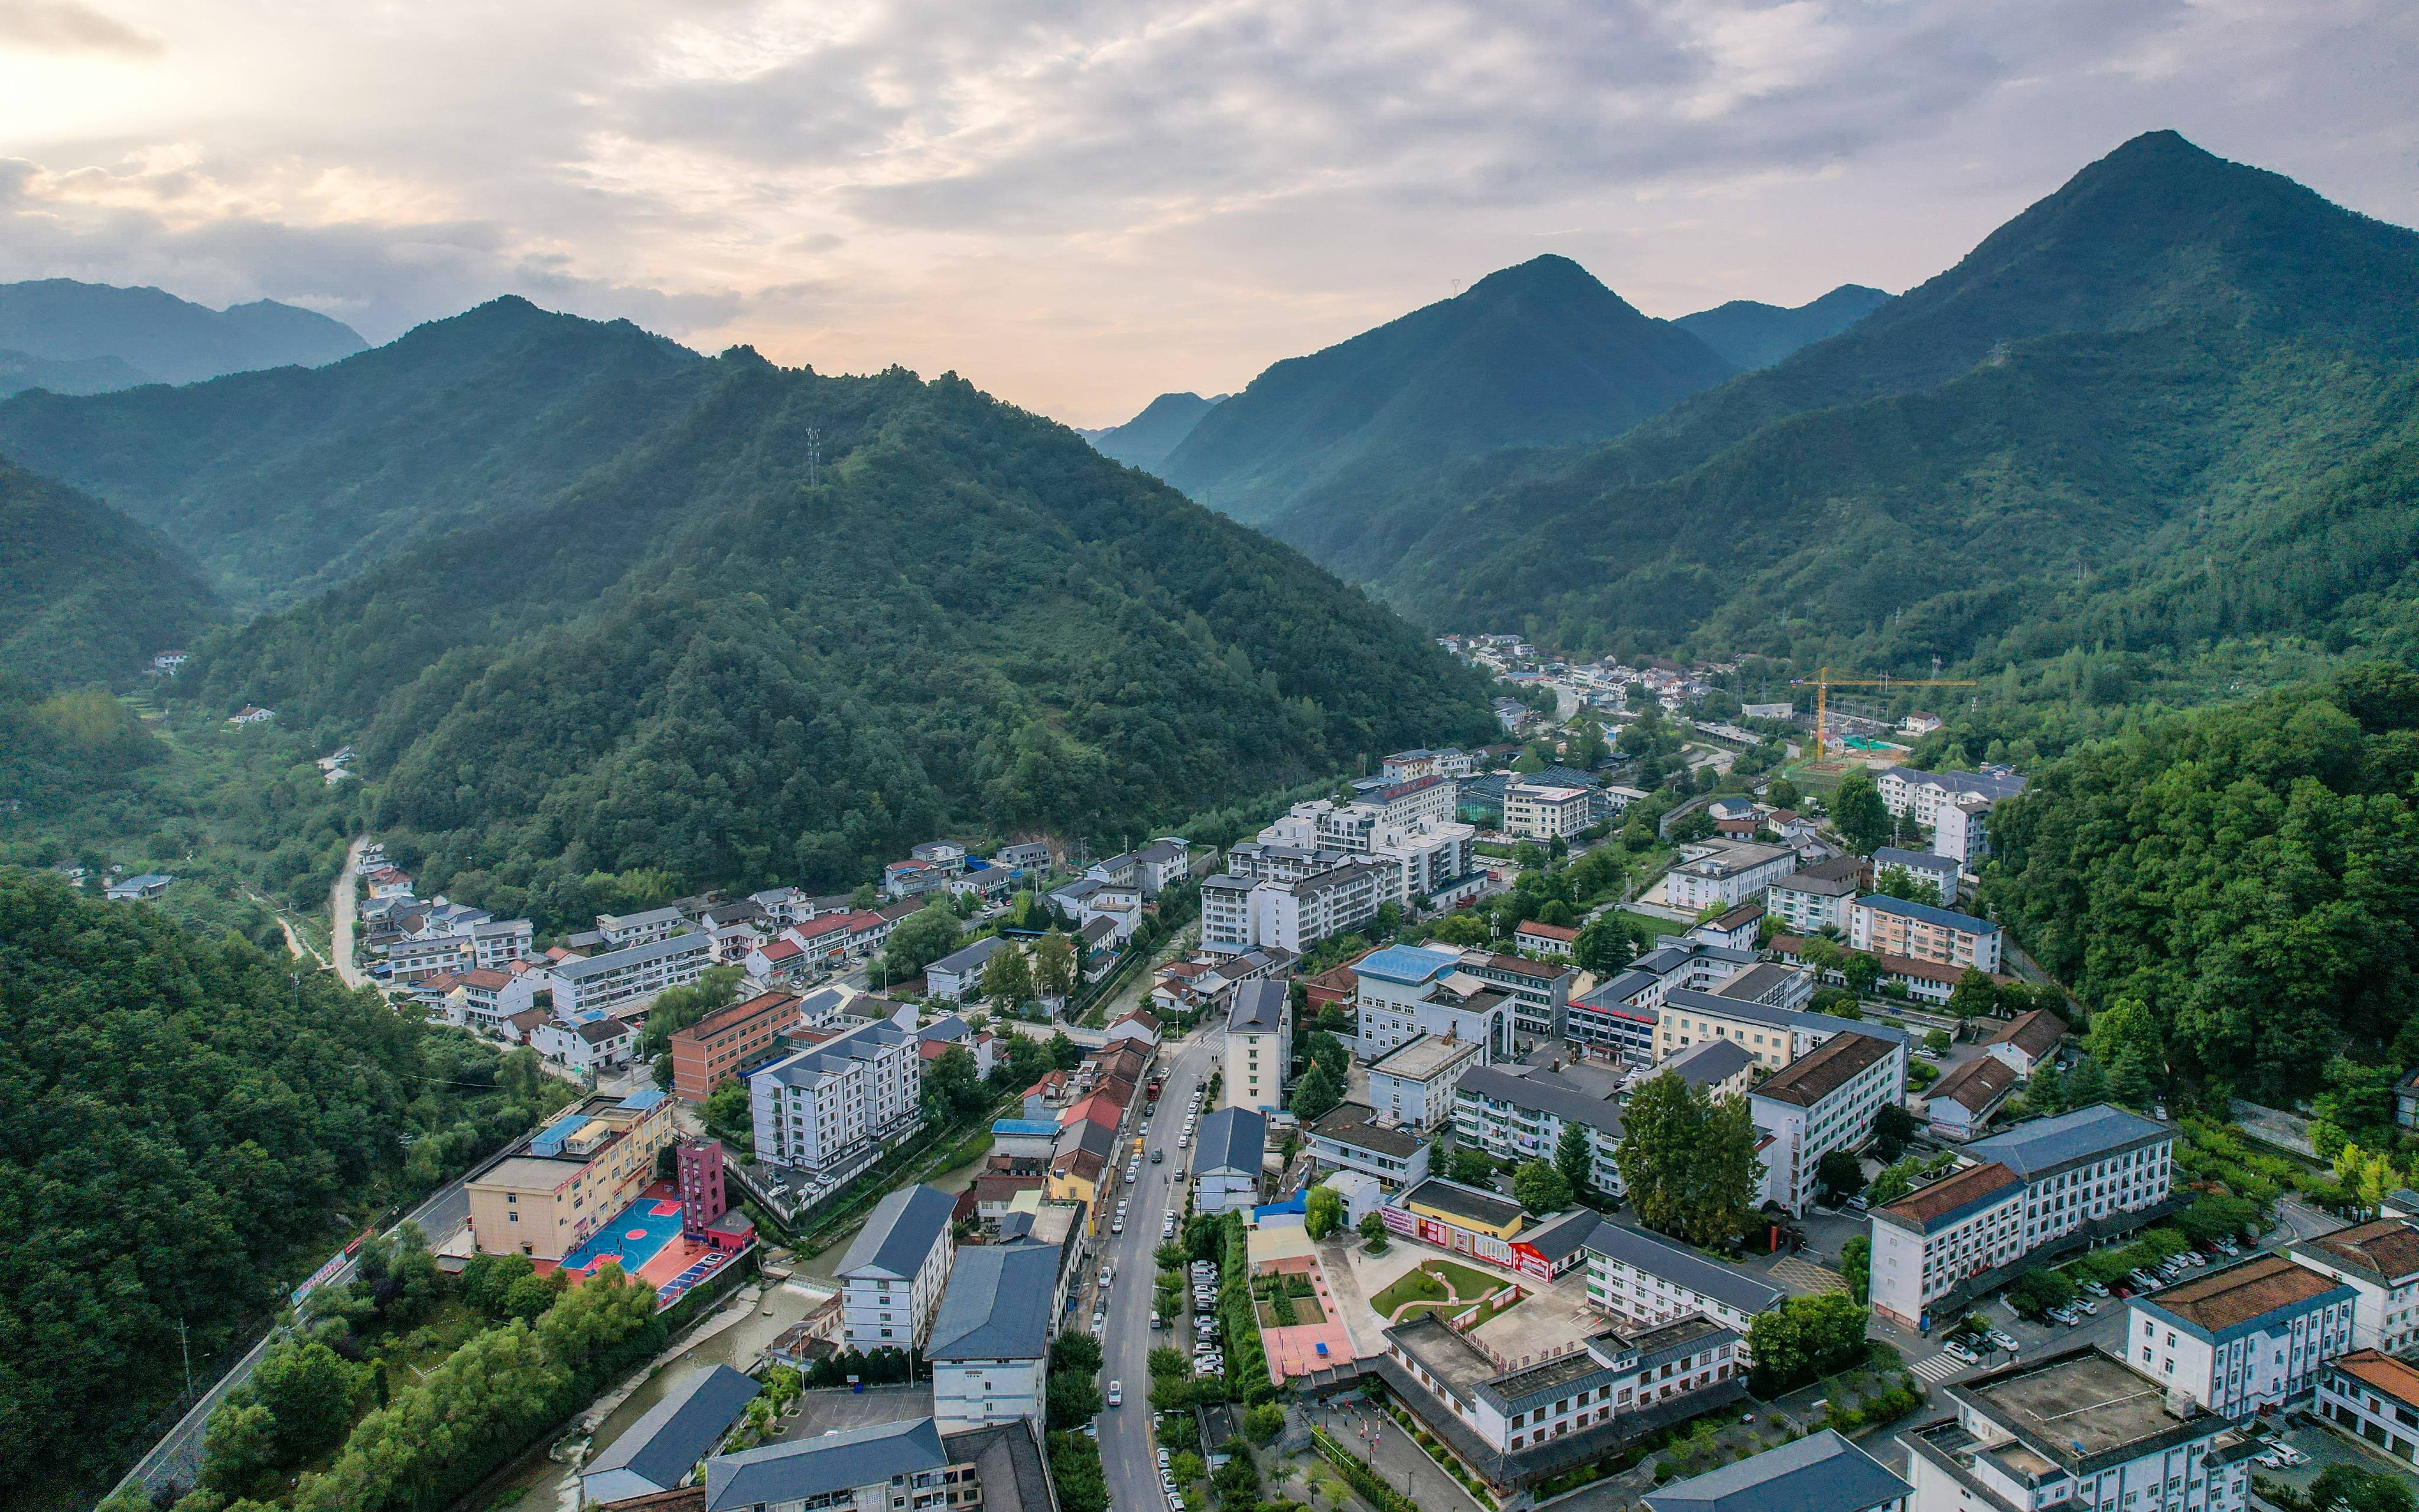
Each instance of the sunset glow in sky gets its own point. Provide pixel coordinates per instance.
(1077, 204)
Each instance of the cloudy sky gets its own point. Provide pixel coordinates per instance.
(1080, 205)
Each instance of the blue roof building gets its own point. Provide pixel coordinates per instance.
(658, 1451)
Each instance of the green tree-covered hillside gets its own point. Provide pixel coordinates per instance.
(86, 594)
(712, 657)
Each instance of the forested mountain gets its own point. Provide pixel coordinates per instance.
(184, 1121)
(1145, 441)
(2240, 872)
(19, 371)
(157, 338)
(1751, 335)
(2172, 362)
(707, 655)
(86, 593)
(1317, 448)
(282, 483)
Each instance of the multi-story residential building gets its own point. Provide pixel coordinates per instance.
(2252, 1338)
(1824, 1100)
(958, 976)
(1960, 1103)
(1406, 991)
(1775, 1036)
(1814, 898)
(1259, 1048)
(1350, 1137)
(729, 1043)
(1821, 1473)
(1461, 1392)
(1770, 985)
(2376, 1395)
(825, 1113)
(989, 1342)
(627, 981)
(1230, 1150)
(890, 1279)
(1543, 808)
(621, 930)
(588, 1164)
(2095, 1170)
(1938, 872)
(1646, 1282)
(1620, 1016)
(2026, 1041)
(1408, 825)
(1718, 1068)
(1520, 1112)
(2078, 1431)
(2380, 1261)
(1961, 829)
(1725, 873)
(1240, 915)
(409, 961)
(1909, 792)
(482, 998)
(1414, 1083)
(497, 943)
(1539, 992)
(1919, 932)
(590, 1045)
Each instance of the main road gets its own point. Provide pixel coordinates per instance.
(341, 910)
(1128, 1452)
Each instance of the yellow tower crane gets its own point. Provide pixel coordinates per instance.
(1824, 682)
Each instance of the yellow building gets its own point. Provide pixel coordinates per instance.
(586, 1166)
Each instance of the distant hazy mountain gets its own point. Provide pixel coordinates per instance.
(162, 338)
(86, 594)
(2171, 404)
(88, 375)
(1145, 441)
(282, 483)
(1753, 335)
(1320, 450)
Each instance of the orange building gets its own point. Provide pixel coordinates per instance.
(728, 1041)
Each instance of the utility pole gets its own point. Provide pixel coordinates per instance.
(814, 455)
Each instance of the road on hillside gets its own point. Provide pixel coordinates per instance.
(1129, 1453)
(341, 911)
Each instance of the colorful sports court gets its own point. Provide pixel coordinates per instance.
(645, 1240)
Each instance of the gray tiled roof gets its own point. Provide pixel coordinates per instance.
(2044, 1146)
(1779, 1018)
(996, 1305)
(1681, 1267)
(1232, 1139)
(1259, 1008)
(679, 1430)
(814, 1467)
(959, 962)
(1708, 1061)
(635, 955)
(1822, 1472)
(1542, 1092)
(905, 1226)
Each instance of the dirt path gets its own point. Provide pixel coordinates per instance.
(340, 908)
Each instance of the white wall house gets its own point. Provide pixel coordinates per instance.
(1825, 1101)
(825, 1113)
(2251, 1337)
(891, 1278)
(989, 1342)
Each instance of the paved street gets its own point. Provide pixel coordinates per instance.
(1389, 1451)
(1128, 1452)
(341, 909)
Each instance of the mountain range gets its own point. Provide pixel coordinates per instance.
(1751, 335)
(1145, 441)
(87, 338)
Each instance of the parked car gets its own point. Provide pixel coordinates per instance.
(2086, 1306)
(2001, 1341)
(2065, 1315)
(1958, 1349)
(2091, 1288)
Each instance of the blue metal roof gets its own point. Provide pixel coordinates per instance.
(2046, 1145)
(1046, 1127)
(1945, 918)
(642, 1100)
(1822, 1473)
(1409, 964)
(679, 1430)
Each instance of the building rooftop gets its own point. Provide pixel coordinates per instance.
(808, 1468)
(1911, 860)
(722, 1018)
(2384, 1374)
(1976, 1086)
(1409, 964)
(1349, 1123)
(2243, 1293)
(996, 1305)
(2043, 1147)
(1945, 1201)
(971, 958)
(2036, 1033)
(679, 1430)
(2384, 1250)
(1544, 1092)
(2083, 1409)
(1548, 931)
(580, 970)
(1835, 878)
(1756, 980)
(1455, 1200)
(1724, 858)
(1820, 1472)
(1730, 1287)
(1259, 1008)
(1995, 785)
(1422, 1057)
(899, 1234)
(1882, 902)
(1816, 1075)
(1230, 1139)
(1777, 1018)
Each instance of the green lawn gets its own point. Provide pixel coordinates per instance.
(1422, 1284)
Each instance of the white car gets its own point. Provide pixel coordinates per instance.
(1116, 1394)
(1956, 1350)
(1163, 1458)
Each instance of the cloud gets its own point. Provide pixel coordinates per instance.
(1083, 204)
(70, 26)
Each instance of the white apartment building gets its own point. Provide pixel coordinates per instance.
(1919, 932)
(1259, 1048)
(1620, 1016)
(2080, 1431)
(1413, 1085)
(1239, 914)
(1539, 809)
(2254, 1336)
(890, 1279)
(989, 1344)
(622, 930)
(1905, 791)
(1610, 1375)
(1539, 992)
(1406, 991)
(2379, 1261)
(628, 980)
(499, 943)
(2029, 1186)
(2377, 1397)
(1726, 873)
(1408, 823)
(1961, 829)
(1644, 1281)
(1775, 1036)
(1812, 897)
(825, 1113)
(1520, 1112)
(1824, 1101)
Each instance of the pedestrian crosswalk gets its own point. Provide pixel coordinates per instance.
(1939, 1367)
